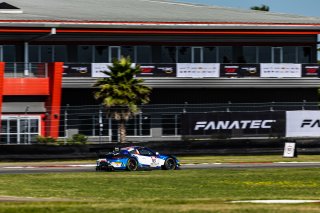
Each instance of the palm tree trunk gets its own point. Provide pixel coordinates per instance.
(122, 130)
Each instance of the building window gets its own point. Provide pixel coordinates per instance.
(84, 54)
(289, 55)
(197, 55)
(184, 54)
(128, 51)
(264, 54)
(60, 53)
(143, 54)
(210, 55)
(225, 54)
(304, 54)
(168, 54)
(9, 53)
(249, 55)
(171, 125)
(100, 54)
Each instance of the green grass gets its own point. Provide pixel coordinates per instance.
(162, 191)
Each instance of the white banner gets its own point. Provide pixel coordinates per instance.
(97, 69)
(281, 70)
(303, 123)
(198, 70)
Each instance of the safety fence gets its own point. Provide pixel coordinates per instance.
(170, 122)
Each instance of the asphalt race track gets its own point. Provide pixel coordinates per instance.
(91, 167)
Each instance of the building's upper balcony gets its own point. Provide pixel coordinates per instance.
(32, 78)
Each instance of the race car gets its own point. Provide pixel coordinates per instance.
(136, 158)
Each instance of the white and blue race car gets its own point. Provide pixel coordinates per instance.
(135, 158)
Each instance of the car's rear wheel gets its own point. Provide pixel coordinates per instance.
(170, 164)
(132, 164)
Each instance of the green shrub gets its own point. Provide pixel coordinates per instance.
(78, 139)
(46, 140)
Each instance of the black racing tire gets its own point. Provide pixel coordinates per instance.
(170, 164)
(132, 164)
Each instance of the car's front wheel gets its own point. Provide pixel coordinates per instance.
(170, 164)
(132, 164)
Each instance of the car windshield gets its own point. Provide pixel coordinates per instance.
(146, 152)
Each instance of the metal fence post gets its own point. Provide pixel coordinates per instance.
(66, 124)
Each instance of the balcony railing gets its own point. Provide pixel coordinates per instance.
(202, 70)
(26, 70)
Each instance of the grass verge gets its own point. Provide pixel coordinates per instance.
(161, 191)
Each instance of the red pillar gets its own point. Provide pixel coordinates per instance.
(53, 103)
(2, 65)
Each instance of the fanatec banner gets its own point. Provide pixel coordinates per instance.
(234, 124)
(303, 124)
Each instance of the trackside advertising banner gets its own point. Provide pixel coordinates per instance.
(310, 70)
(97, 69)
(76, 70)
(281, 70)
(234, 124)
(158, 70)
(198, 70)
(240, 70)
(303, 124)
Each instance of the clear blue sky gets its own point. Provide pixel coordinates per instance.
(298, 7)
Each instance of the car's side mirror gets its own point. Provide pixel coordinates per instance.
(157, 153)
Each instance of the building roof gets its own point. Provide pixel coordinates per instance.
(143, 13)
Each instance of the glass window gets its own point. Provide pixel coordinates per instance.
(210, 55)
(60, 53)
(34, 53)
(46, 53)
(128, 51)
(249, 55)
(145, 152)
(225, 54)
(289, 55)
(304, 54)
(168, 54)
(143, 54)
(184, 54)
(264, 55)
(84, 54)
(101, 54)
(9, 53)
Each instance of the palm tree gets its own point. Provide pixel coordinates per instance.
(121, 92)
(262, 8)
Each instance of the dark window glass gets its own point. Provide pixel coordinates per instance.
(60, 53)
(210, 55)
(249, 55)
(34, 53)
(128, 51)
(84, 54)
(197, 55)
(225, 54)
(289, 55)
(168, 54)
(184, 54)
(101, 54)
(304, 54)
(144, 54)
(264, 55)
(46, 53)
(9, 53)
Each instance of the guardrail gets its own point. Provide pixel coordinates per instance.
(26, 70)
